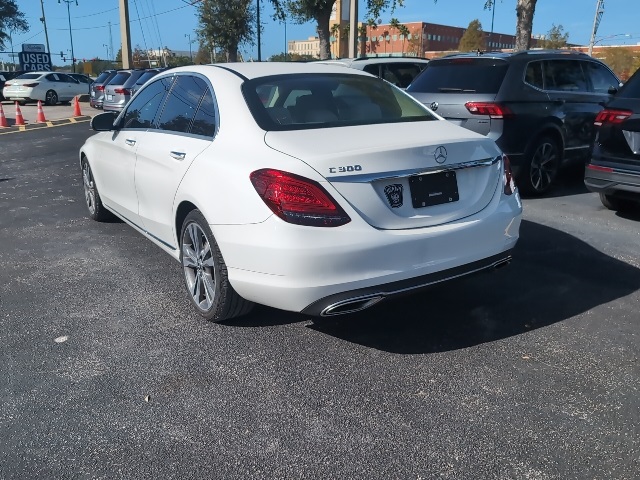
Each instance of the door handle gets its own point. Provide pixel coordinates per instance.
(177, 155)
(130, 142)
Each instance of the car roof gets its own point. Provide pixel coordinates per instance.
(251, 70)
(530, 54)
(369, 60)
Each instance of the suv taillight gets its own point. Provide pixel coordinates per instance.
(493, 110)
(99, 88)
(122, 91)
(509, 182)
(297, 199)
(610, 115)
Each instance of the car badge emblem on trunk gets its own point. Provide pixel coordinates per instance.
(440, 154)
(394, 195)
(434, 106)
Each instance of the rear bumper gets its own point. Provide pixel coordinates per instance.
(612, 182)
(305, 269)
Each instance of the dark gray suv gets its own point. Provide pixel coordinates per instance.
(538, 105)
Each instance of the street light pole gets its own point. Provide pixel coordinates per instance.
(188, 35)
(44, 21)
(596, 24)
(73, 57)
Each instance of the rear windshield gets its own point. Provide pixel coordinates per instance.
(29, 76)
(461, 75)
(303, 101)
(102, 77)
(631, 89)
(120, 78)
(144, 77)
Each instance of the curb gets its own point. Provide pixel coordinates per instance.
(47, 124)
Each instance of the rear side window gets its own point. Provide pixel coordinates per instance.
(143, 109)
(461, 75)
(182, 103)
(144, 77)
(601, 78)
(205, 121)
(533, 75)
(565, 75)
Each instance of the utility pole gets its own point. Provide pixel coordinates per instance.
(73, 57)
(596, 24)
(353, 29)
(125, 34)
(259, 45)
(111, 56)
(44, 21)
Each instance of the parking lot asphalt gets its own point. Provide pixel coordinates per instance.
(530, 372)
(61, 114)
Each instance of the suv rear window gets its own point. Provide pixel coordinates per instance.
(102, 77)
(120, 78)
(461, 75)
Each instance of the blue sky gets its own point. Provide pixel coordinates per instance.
(172, 20)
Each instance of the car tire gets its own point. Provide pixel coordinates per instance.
(92, 198)
(51, 97)
(540, 168)
(205, 272)
(613, 203)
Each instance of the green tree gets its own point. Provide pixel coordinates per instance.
(11, 20)
(335, 33)
(473, 38)
(525, 10)
(402, 30)
(621, 60)
(556, 38)
(291, 57)
(227, 24)
(303, 11)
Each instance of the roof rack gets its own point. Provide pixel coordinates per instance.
(388, 56)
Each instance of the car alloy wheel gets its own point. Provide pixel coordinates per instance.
(543, 167)
(205, 272)
(51, 98)
(91, 195)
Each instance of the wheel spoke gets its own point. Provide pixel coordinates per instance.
(209, 288)
(195, 293)
(194, 235)
(189, 257)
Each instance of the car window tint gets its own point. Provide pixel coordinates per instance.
(204, 122)
(533, 75)
(66, 78)
(330, 100)
(182, 103)
(461, 75)
(142, 110)
(564, 75)
(52, 77)
(144, 77)
(601, 78)
(372, 69)
(102, 77)
(120, 78)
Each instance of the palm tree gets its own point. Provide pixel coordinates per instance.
(335, 32)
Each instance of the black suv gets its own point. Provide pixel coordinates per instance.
(614, 170)
(538, 105)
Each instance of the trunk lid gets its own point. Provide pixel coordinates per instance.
(411, 175)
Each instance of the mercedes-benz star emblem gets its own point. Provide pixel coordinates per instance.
(434, 106)
(440, 154)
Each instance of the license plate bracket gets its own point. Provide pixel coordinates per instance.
(433, 189)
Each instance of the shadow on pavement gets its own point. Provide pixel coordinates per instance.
(554, 276)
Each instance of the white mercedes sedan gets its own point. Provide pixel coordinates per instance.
(308, 188)
(49, 87)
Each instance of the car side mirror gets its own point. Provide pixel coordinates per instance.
(104, 122)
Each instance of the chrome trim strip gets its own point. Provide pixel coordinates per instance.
(378, 297)
(367, 178)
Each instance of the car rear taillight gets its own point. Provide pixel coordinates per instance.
(509, 182)
(122, 91)
(30, 85)
(493, 110)
(613, 116)
(297, 199)
(99, 88)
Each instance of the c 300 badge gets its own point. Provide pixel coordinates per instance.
(393, 193)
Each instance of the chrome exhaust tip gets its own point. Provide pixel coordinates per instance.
(351, 305)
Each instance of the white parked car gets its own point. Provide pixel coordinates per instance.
(309, 188)
(50, 87)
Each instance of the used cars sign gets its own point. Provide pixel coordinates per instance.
(34, 58)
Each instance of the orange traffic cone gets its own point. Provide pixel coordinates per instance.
(3, 119)
(76, 107)
(40, 118)
(19, 118)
